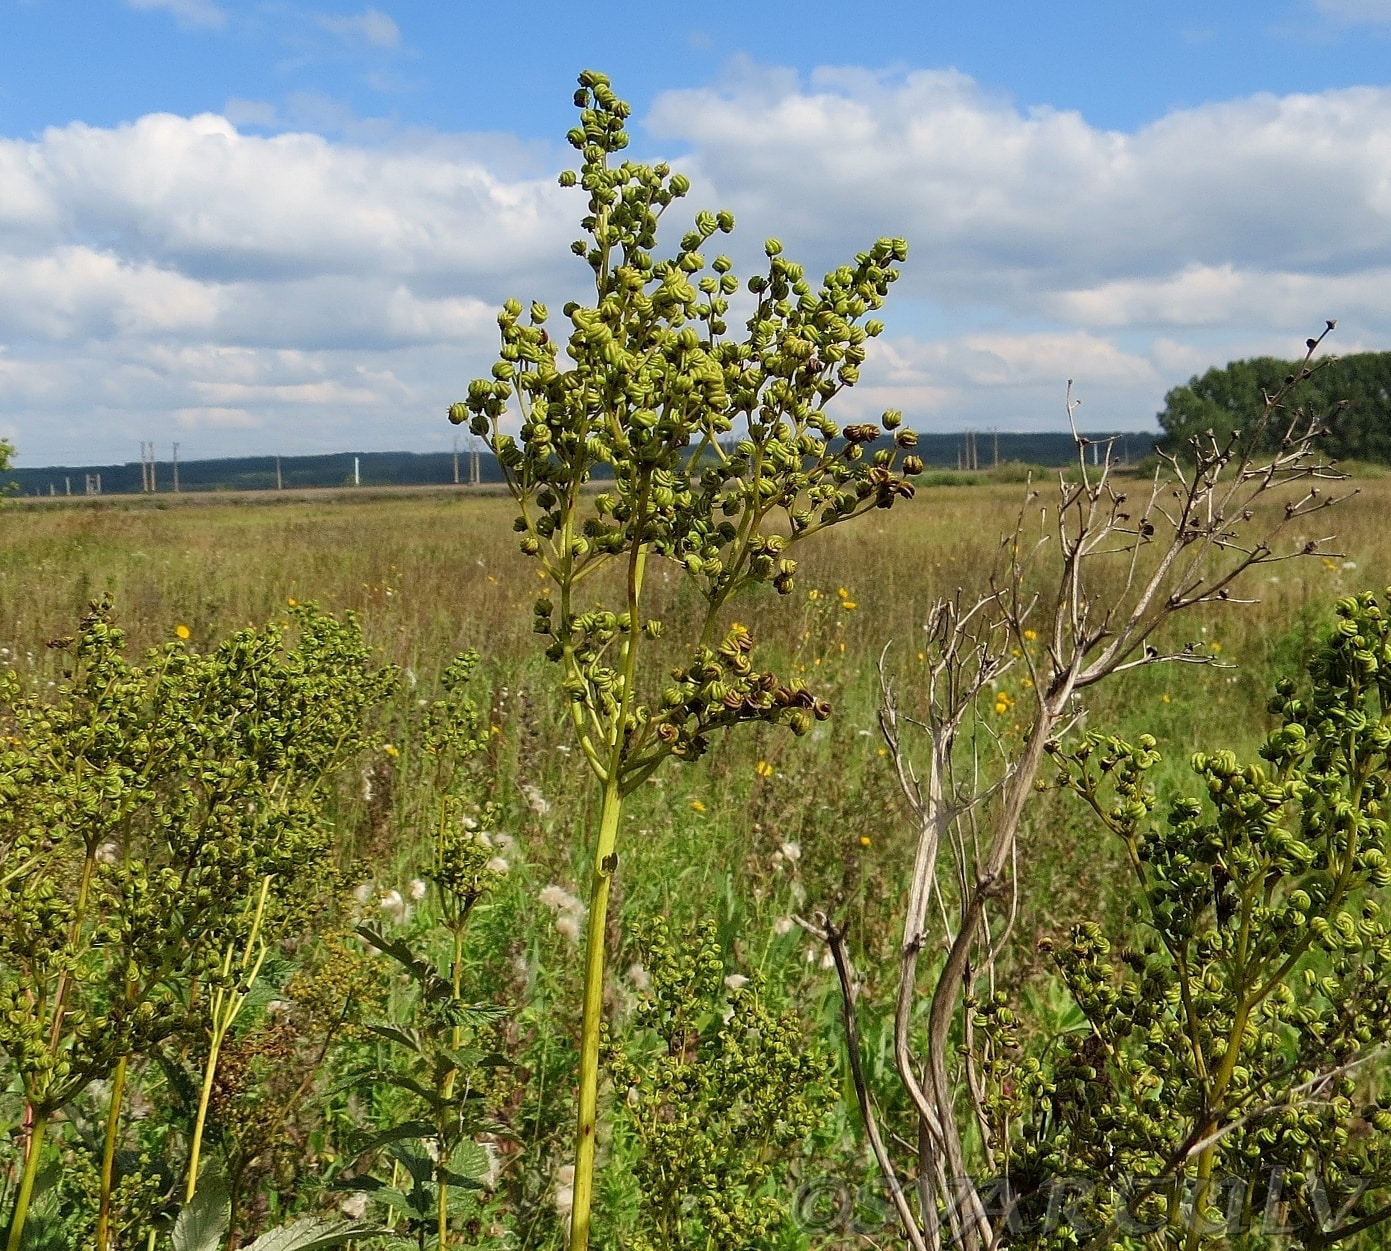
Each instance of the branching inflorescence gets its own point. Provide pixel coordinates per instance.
(718, 455)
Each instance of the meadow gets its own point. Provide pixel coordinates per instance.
(763, 828)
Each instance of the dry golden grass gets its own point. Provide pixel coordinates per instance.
(430, 573)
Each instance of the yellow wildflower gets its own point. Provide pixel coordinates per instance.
(865, 840)
(392, 750)
(763, 769)
(292, 602)
(849, 605)
(182, 632)
(697, 805)
(1030, 635)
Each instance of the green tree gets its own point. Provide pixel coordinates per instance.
(1351, 394)
(723, 461)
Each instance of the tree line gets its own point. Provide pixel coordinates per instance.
(1352, 394)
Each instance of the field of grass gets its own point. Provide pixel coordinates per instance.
(433, 574)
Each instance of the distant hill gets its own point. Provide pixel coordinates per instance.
(258, 473)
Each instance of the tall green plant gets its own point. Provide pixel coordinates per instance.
(1221, 1086)
(159, 824)
(722, 459)
(438, 1043)
(718, 1089)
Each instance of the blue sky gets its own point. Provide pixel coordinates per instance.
(284, 227)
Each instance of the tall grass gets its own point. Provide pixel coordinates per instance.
(763, 826)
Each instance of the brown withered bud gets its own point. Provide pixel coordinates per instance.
(805, 699)
(860, 433)
(733, 700)
(821, 709)
(912, 465)
(668, 733)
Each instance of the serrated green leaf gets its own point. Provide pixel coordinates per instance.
(203, 1222)
(416, 1163)
(313, 1233)
(416, 1130)
(408, 1038)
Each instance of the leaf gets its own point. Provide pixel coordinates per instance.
(407, 1129)
(312, 1233)
(419, 968)
(415, 1206)
(416, 1163)
(408, 1038)
(459, 1012)
(202, 1224)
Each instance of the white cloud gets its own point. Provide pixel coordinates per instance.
(215, 419)
(189, 14)
(176, 273)
(371, 26)
(289, 291)
(1011, 208)
(1012, 381)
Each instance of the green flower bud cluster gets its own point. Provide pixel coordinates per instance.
(719, 1093)
(140, 809)
(1262, 965)
(721, 688)
(720, 452)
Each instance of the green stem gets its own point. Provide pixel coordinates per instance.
(593, 1015)
(108, 1156)
(26, 1185)
(204, 1098)
(456, 1040)
(227, 1005)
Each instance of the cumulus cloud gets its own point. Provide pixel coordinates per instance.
(189, 14)
(291, 291)
(176, 271)
(1013, 206)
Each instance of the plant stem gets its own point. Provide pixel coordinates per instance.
(108, 1156)
(26, 1184)
(227, 1005)
(456, 1040)
(593, 1014)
